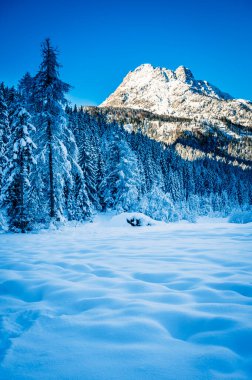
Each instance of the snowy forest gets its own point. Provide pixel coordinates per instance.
(60, 163)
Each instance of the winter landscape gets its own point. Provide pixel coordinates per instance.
(167, 301)
(126, 223)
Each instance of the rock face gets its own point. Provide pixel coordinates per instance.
(177, 93)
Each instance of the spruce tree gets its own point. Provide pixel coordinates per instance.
(25, 90)
(4, 131)
(121, 184)
(89, 157)
(15, 193)
(56, 143)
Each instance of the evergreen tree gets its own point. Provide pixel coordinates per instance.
(15, 194)
(25, 90)
(128, 179)
(89, 157)
(121, 184)
(4, 131)
(157, 205)
(56, 143)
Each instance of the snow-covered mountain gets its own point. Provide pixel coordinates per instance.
(178, 93)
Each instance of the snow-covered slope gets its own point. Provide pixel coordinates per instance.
(193, 138)
(177, 93)
(107, 301)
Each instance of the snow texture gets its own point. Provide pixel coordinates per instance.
(108, 301)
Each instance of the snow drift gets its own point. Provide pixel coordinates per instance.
(159, 302)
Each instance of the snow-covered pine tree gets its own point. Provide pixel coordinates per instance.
(158, 205)
(89, 157)
(78, 204)
(15, 193)
(121, 183)
(135, 144)
(107, 187)
(12, 100)
(56, 143)
(4, 131)
(73, 120)
(128, 181)
(25, 90)
(149, 164)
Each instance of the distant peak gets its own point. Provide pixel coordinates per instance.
(144, 66)
(165, 91)
(184, 74)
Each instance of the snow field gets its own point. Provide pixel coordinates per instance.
(108, 301)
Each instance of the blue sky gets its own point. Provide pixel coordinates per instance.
(100, 41)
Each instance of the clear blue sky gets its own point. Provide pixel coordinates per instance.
(100, 41)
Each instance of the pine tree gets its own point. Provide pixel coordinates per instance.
(25, 88)
(4, 131)
(56, 143)
(128, 181)
(121, 184)
(15, 194)
(158, 205)
(89, 157)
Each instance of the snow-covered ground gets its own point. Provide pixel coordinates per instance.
(108, 301)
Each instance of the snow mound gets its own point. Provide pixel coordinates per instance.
(136, 219)
(241, 217)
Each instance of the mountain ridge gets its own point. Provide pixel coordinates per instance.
(177, 93)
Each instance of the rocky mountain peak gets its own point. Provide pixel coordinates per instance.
(177, 93)
(184, 74)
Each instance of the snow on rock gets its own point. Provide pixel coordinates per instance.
(177, 93)
(128, 128)
(168, 302)
(127, 219)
